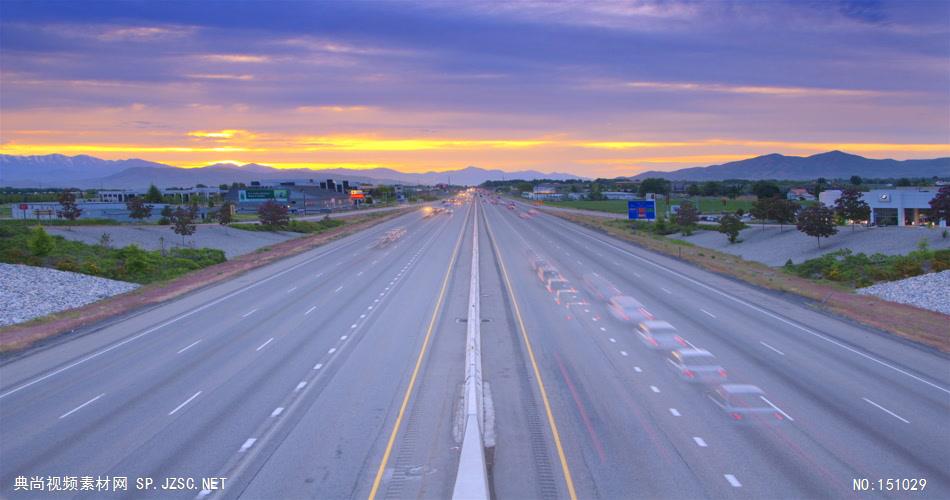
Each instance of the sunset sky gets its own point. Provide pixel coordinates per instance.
(594, 89)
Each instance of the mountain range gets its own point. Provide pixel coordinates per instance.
(90, 172)
(830, 165)
(85, 171)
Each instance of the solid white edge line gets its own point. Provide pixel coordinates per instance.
(252, 311)
(885, 410)
(711, 315)
(74, 410)
(759, 309)
(183, 404)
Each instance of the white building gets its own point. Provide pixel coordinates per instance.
(900, 206)
(620, 195)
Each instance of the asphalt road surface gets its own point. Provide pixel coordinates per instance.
(338, 374)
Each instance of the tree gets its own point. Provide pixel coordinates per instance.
(70, 210)
(153, 195)
(730, 225)
(686, 217)
(166, 214)
(224, 213)
(41, 243)
(940, 206)
(856, 180)
(711, 188)
(765, 189)
(851, 206)
(596, 193)
(762, 209)
(784, 212)
(693, 190)
(183, 222)
(654, 185)
(817, 221)
(903, 182)
(223, 187)
(273, 215)
(138, 210)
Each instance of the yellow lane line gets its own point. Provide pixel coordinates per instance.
(534, 366)
(415, 371)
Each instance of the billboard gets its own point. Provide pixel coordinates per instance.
(357, 194)
(641, 209)
(262, 194)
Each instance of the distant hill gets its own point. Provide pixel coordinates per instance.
(89, 172)
(830, 165)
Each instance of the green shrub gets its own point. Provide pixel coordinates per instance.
(861, 270)
(40, 243)
(20, 243)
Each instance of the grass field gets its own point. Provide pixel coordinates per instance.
(707, 204)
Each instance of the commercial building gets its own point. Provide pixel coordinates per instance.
(894, 207)
(306, 196)
(620, 195)
(543, 192)
(799, 194)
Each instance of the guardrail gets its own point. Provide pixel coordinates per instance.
(471, 481)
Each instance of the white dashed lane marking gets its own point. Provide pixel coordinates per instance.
(277, 411)
(711, 315)
(183, 404)
(87, 403)
(654, 388)
(732, 480)
(674, 412)
(252, 311)
(699, 442)
(885, 410)
(772, 348)
(265, 343)
(189, 346)
(247, 444)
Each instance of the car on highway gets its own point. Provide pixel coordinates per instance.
(558, 283)
(627, 309)
(568, 297)
(660, 335)
(745, 403)
(546, 273)
(599, 287)
(697, 365)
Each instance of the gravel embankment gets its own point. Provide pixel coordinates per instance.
(28, 292)
(232, 241)
(927, 291)
(773, 246)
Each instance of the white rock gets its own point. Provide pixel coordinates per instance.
(28, 292)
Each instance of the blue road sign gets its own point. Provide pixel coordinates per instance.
(641, 209)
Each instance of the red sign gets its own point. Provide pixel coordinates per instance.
(24, 206)
(356, 194)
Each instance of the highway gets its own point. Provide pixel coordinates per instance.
(338, 374)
